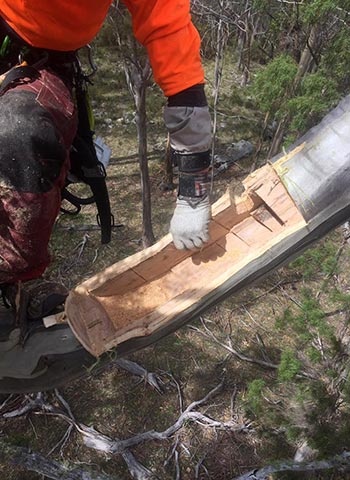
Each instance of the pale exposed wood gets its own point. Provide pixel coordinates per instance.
(124, 265)
(55, 319)
(139, 294)
(252, 232)
(35, 462)
(267, 185)
(280, 162)
(316, 175)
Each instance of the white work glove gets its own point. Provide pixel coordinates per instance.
(189, 225)
(188, 121)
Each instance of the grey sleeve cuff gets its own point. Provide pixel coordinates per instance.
(189, 128)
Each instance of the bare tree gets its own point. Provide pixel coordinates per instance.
(138, 72)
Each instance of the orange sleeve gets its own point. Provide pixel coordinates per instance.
(165, 28)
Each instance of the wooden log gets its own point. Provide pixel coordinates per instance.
(140, 294)
(279, 212)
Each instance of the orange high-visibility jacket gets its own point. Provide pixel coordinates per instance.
(163, 26)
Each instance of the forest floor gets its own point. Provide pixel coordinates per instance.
(118, 404)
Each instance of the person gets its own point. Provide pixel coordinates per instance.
(38, 117)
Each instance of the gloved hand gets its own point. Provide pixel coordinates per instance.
(189, 225)
(188, 121)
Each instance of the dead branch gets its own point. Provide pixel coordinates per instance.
(135, 369)
(94, 439)
(39, 405)
(340, 462)
(83, 228)
(100, 442)
(234, 351)
(229, 347)
(34, 462)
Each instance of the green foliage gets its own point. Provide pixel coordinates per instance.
(289, 366)
(302, 105)
(345, 388)
(314, 354)
(317, 95)
(316, 408)
(293, 433)
(286, 319)
(341, 299)
(324, 433)
(254, 396)
(315, 261)
(308, 322)
(272, 84)
(311, 310)
(313, 11)
(336, 60)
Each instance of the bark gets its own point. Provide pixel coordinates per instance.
(248, 28)
(221, 39)
(169, 173)
(339, 462)
(34, 462)
(139, 78)
(137, 71)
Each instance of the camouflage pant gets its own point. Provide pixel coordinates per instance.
(38, 122)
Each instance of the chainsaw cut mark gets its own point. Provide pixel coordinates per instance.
(144, 292)
(265, 217)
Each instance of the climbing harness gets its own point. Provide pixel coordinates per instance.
(86, 166)
(89, 156)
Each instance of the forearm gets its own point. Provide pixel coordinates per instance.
(188, 121)
(165, 28)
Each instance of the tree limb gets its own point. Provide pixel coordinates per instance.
(37, 463)
(341, 462)
(100, 442)
(135, 369)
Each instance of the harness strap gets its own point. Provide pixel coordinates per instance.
(91, 170)
(17, 74)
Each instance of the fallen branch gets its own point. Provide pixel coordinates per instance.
(100, 442)
(135, 369)
(241, 356)
(229, 347)
(39, 405)
(340, 462)
(34, 462)
(83, 228)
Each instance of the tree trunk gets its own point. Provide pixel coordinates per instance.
(141, 124)
(305, 65)
(219, 55)
(137, 77)
(284, 208)
(169, 173)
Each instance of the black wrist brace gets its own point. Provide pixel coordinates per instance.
(191, 162)
(191, 97)
(193, 185)
(193, 173)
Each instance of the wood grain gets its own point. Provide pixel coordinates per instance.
(145, 291)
